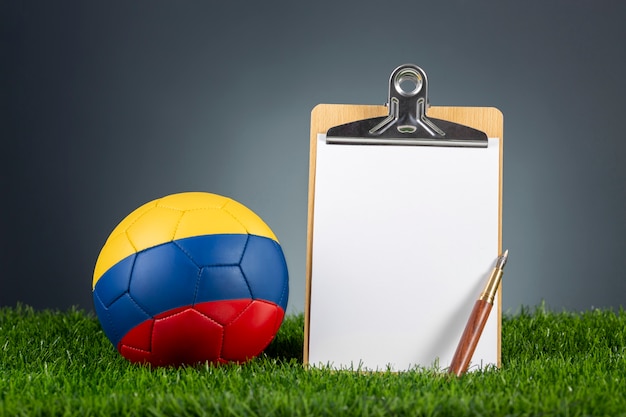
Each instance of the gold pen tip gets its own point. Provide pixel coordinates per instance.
(501, 261)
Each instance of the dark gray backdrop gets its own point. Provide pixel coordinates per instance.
(107, 105)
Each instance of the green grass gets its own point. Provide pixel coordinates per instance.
(60, 363)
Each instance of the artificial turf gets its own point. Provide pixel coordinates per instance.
(553, 363)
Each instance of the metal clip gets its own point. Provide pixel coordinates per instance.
(407, 123)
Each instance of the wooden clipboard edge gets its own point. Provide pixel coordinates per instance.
(324, 116)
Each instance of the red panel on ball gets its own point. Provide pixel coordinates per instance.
(140, 338)
(223, 312)
(252, 331)
(134, 355)
(186, 338)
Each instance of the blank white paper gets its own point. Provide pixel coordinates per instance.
(404, 240)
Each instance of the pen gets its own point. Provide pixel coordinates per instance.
(478, 318)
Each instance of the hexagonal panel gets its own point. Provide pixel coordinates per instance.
(208, 221)
(214, 250)
(153, 228)
(265, 269)
(163, 278)
(185, 338)
(221, 283)
(251, 332)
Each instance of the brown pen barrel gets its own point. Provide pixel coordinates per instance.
(469, 339)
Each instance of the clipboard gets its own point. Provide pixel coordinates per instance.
(374, 300)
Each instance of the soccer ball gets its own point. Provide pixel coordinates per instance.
(188, 278)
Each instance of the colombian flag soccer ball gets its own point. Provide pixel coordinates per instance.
(188, 278)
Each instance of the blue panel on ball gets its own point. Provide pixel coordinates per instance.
(265, 269)
(119, 317)
(114, 282)
(103, 316)
(222, 283)
(208, 250)
(163, 278)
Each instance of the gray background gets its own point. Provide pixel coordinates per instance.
(107, 105)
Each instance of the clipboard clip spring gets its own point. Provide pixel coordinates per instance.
(407, 123)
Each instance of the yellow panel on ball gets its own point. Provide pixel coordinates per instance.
(200, 222)
(192, 201)
(117, 247)
(132, 218)
(154, 227)
(253, 223)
